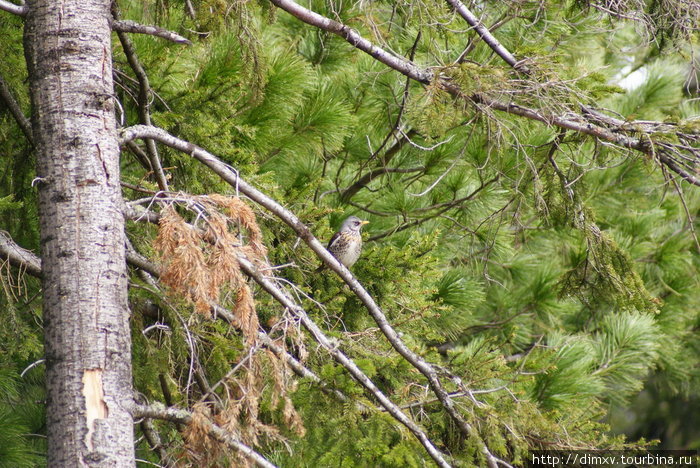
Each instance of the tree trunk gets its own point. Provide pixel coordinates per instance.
(86, 323)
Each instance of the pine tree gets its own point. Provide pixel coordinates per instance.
(529, 269)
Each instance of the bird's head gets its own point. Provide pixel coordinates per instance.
(353, 224)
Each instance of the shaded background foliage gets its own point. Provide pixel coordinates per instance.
(556, 275)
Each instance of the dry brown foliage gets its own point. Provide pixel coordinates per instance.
(201, 447)
(198, 263)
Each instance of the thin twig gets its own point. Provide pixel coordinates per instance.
(125, 26)
(363, 181)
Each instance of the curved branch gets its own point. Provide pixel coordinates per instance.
(230, 176)
(29, 262)
(281, 297)
(136, 260)
(400, 64)
(19, 10)
(278, 293)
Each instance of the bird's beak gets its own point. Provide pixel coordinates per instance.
(365, 222)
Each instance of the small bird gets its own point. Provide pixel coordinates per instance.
(346, 244)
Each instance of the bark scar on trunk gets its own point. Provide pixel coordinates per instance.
(95, 406)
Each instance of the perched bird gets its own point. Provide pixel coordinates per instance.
(346, 244)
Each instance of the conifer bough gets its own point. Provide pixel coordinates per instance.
(684, 166)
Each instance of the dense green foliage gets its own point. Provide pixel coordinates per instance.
(556, 275)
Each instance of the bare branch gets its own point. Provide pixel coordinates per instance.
(190, 9)
(127, 26)
(11, 103)
(144, 101)
(345, 361)
(10, 7)
(216, 432)
(19, 257)
(154, 441)
(486, 35)
(353, 37)
(278, 293)
(136, 260)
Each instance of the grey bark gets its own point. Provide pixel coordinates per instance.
(87, 341)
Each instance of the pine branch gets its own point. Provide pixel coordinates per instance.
(668, 154)
(284, 299)
(229, 175)
(136, 260)
(29, 262)
(181, 416)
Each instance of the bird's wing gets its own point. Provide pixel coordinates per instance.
(335, 237)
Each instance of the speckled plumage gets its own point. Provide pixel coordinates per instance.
(346, 244)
